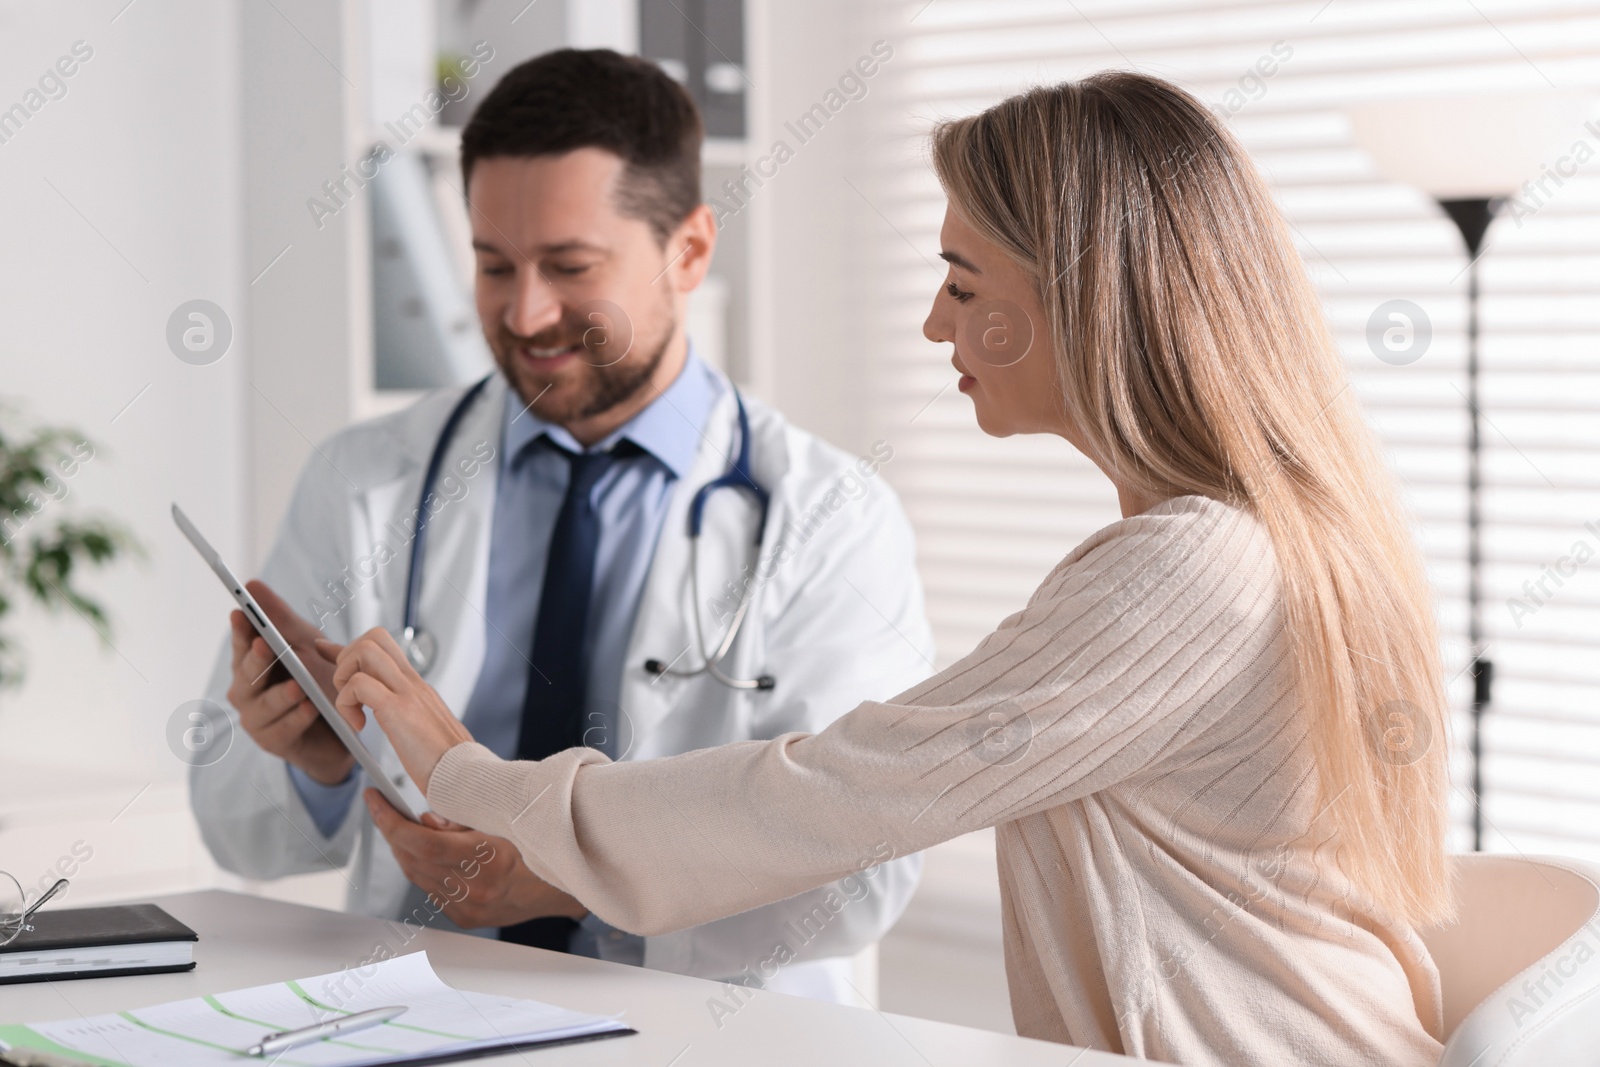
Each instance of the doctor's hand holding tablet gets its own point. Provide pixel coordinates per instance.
(285, 705)
(273, 708)
(440, 857)
(283, 720)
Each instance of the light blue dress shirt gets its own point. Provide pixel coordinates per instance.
(632, 500)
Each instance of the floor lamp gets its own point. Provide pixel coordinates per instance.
(1472, 216)
(1468, 154)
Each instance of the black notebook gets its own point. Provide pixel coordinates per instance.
(98, 942)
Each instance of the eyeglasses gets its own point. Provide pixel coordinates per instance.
(15, 910)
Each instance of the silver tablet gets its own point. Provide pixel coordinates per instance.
(291, 661)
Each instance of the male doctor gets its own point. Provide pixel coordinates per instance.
(557, 589)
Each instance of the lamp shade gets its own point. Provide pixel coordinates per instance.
(1462, 147)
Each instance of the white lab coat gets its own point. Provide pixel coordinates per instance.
(837, 619)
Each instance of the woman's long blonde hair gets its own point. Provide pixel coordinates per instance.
(1194, 359)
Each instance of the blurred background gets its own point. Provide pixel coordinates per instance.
(205, 271)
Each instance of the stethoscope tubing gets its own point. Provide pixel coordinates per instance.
(421, 648)
(419, 534)
(712, 664)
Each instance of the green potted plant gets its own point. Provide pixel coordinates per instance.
(43, 546)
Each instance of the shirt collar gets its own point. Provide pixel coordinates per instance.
(669, 427)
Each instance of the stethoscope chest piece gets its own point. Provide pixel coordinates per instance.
(421, 648)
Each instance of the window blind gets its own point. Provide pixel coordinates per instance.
(992, 517)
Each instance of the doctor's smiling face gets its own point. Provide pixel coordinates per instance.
(581, 299)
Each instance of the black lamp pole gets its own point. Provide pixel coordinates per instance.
(1472, 217)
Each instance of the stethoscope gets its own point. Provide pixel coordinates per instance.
(422, 649)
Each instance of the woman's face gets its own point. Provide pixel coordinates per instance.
(988, 308)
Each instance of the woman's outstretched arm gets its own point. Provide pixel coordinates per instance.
(1136, 644)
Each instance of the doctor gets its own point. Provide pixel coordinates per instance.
(555, 592)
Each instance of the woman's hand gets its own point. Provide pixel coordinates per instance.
(373, 671)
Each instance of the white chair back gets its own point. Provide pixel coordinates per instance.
(1520, 968)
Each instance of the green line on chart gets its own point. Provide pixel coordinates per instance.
(135, 1020)
(16, 1036)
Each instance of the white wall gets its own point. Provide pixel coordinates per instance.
(302, 113)
(121, 202)
(810, 230)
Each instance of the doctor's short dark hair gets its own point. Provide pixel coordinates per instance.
(596, 98)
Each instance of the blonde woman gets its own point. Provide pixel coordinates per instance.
(1211, 744)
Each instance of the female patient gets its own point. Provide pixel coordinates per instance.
(1211, 744)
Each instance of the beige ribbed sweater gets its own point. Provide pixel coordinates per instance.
(1133, 734)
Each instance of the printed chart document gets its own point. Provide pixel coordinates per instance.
(440, 1024)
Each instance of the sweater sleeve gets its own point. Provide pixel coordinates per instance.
(1135, 644)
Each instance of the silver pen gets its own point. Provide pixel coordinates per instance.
(272, 1044)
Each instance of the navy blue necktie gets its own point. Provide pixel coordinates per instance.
(553, 705)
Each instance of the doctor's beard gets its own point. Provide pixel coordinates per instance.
(599, 386)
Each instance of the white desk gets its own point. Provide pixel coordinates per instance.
(247, 941)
